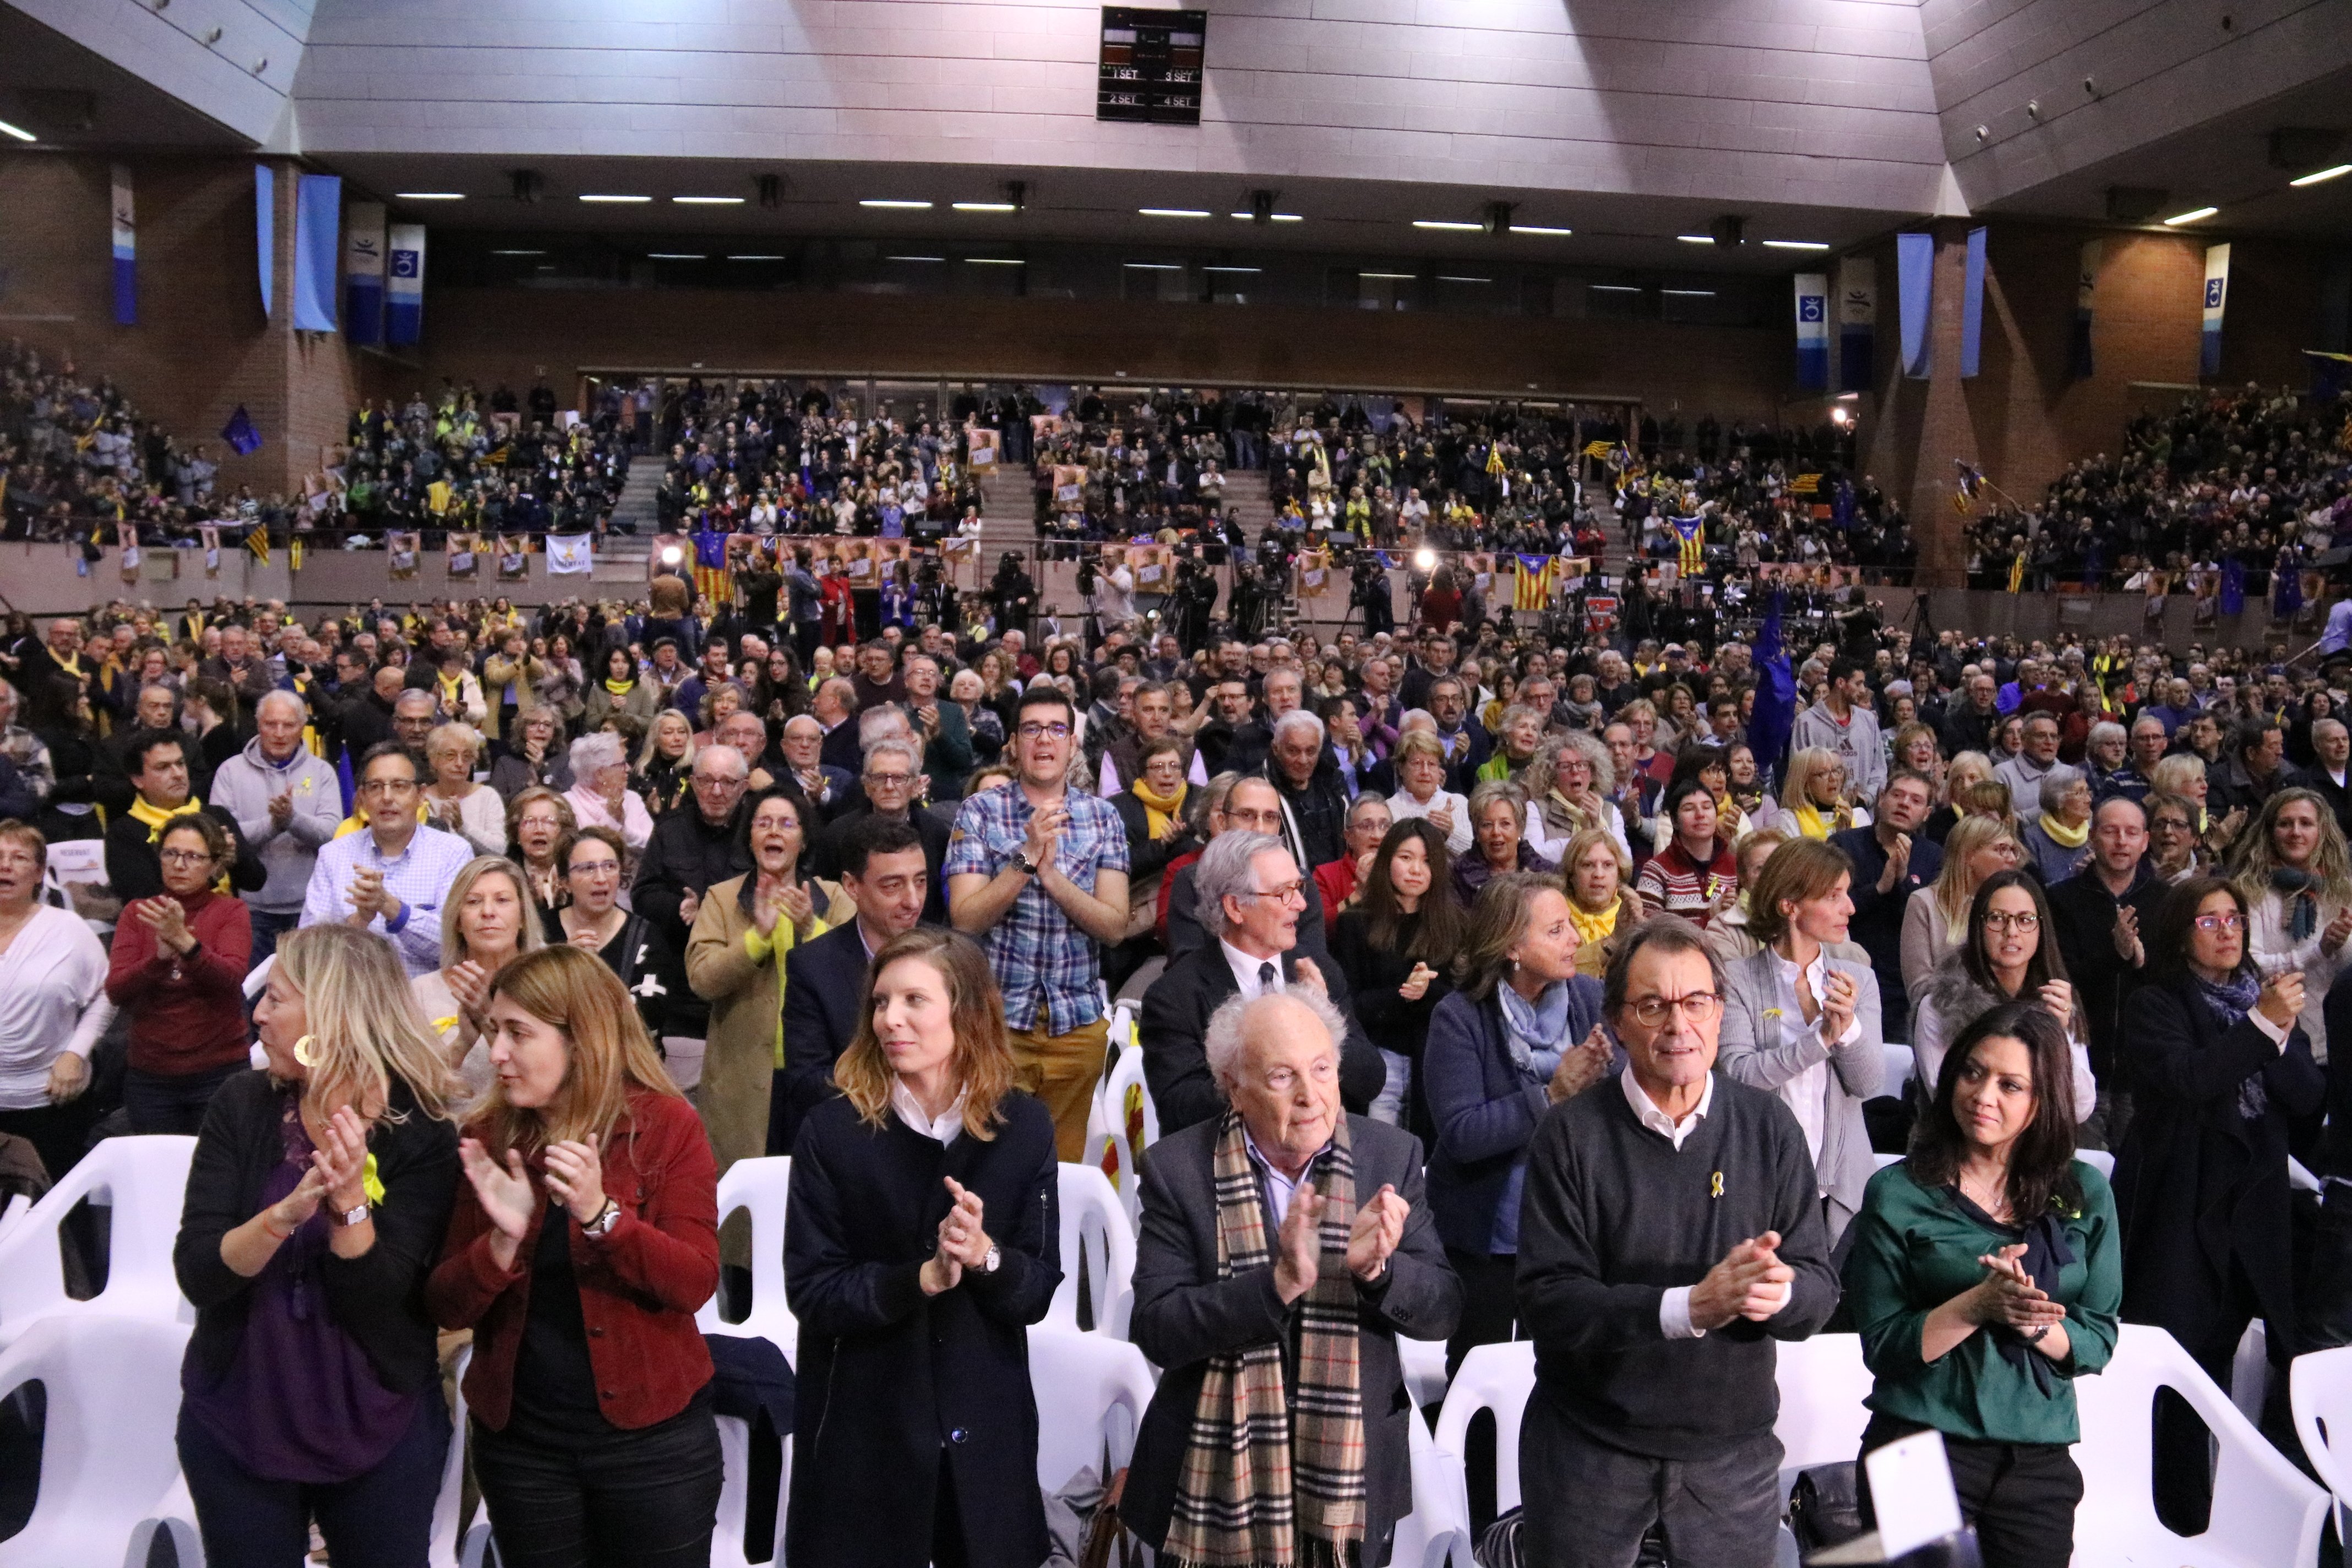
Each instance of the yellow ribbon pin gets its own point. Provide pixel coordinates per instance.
(1715, 1187)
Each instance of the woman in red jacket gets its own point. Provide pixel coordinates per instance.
(583, 1242)
(178, 969)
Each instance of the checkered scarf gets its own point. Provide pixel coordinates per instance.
(1255, 1480)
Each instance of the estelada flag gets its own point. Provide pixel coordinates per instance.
(1532, 589)
(1691, 531)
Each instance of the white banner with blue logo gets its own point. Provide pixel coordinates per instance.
(126, 251)
(1857, 323)
(2217, 298)
(404, 284)
(1814, 330)
(364, 273)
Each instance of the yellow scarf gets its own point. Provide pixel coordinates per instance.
(622, 688)
(2063, 837)
(1811, 823)
(1592, 927)
(156, 816)
(1159, 810)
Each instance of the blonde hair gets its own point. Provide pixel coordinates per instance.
(1796, 790)
(609, 1054)
(982, 1059)
(365, 1028)
(1964, 769)
(454, 948)
(647, 753)
(1953, 888)
(1580, 845)
(2171, 773)
(2256, 854)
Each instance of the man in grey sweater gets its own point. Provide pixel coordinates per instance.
(1671, 1230)
(286, 802)
(1844, 723)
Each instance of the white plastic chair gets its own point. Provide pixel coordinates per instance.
(445, 1548)
(1438, 1529)
(1822, 1383)
(109, 1464)
(1497, 1378)
(2099, 1160)
(12, 1208)
(1095, 1227)
(1901, 1066)
(145, 1180)
(1880, 1161)
(2250, 1371)
(2266, 1513)
(1422, 1361)
(760, 1188)
(735, 1495)
(2319, 1387)
(1091, 1392)
(1110, 1124)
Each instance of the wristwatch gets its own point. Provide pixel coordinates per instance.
(988, 1265)
(602, 1225)
(1028, 867)
(347, 1218)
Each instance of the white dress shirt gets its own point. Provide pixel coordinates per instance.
(1673, 1307)
(945, 1128)
(1807, 1093)
(1278, 1188)
(1245, 972)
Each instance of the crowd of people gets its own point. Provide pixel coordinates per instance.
(1493, 979)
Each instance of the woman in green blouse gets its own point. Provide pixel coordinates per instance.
(1986, 1275)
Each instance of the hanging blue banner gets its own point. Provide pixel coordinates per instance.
(2086, 288)
(2216, 299)
(1857, 323)
(264, 230)
(318, 226)
(404, 284)
(126, 252)
(1914, 269)
(1814, 330)
(1972, 304)
(363, 274)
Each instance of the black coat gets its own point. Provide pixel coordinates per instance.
(825, 855)
(1186, 937)
(2197, 1182)
(1389, 1021)
(135, 870)
(893, 1383)
(685, 855)
(2085, 914)
(824, 987)
(1184, 1314)
(1176, 1020)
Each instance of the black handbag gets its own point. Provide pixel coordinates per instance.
(1825, 1507)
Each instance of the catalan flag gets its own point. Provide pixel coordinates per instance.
(1965, 485)
(294, 553)
(711, 578)
(1805, 485)
(2017, 573)
(258, 541)
(1691, 533)
(1532, 588)
(1598, 449)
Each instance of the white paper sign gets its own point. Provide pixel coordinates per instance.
(1911, 1493)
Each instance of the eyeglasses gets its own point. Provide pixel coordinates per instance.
(1034, 731)
(2004, 921)
(1697, 1008)
(593, 868)
(386, 787)
(2220, 922)
(1282, 893)
(702, 781)
(185, 857)
(895, 781)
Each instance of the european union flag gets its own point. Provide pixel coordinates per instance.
(240, 434)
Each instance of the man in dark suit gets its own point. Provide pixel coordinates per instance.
(1250, 898)
(884, 869)
(835, 707)
(2330, 772)
(1277, 1058)
(892, 779)
(1250, 806)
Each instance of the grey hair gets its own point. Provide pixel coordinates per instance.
(1298, 718)
(2319, 724)
(2109, 729)
(1374, 797)
(598, 748)
(2054, 785)
(1413, 718)
(465, 734)
(892, 743)
(417, 692)
(875, 719)
(1224, 869)
(1227, 1035)
(275, 694)
(1591, 747)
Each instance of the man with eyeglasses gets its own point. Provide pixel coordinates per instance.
(691, 853)
(947, 739)
(1655, 1393)
(1038, 871)
(391, 876)
(2100, 913)
(1252, 899)
(893, 781)
(1250, 806)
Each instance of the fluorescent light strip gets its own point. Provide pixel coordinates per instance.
(675, 256)
(709, 201)
(1539, 228)
(517, 253)
(893, 205)
(1155, 266)
(1689, 293)
(625, 200)
(1231, 270)
(1394, 277)
(747, 257)
(1796, 245)
(1174, 212)
(1614, 288)
(984, 208)
(20, 134)
(429, 197)
(1448, 224)
(2180, 218)
(995, 261)
(914, 259)
(2319, 177)
(1456, 278)
(1696, 238)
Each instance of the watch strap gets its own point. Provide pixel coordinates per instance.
(345, 1218)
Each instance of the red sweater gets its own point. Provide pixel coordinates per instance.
(194, 1023)
(640, 1285)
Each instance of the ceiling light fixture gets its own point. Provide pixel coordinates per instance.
(1696, 238)
(1174, 212)
(1689, 293)
(1394, 277)
(995, 261)
(1539, 228)
(517, 253)
(914, 259)
(1796, 245)
(1459, 278)
(675, 256)
(424, 195)
(17, 131)
(985, 207)
(1449, 225)
(893, 205)
(1614, 288)
(2318, 178)
(1231, 268)
(1272, 217)
(1156, 265)
(2177, 219)
(620, 200)
(751, 258)
(709, 201)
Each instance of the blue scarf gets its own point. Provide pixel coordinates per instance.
(2231, 1002)
(1536, 1032)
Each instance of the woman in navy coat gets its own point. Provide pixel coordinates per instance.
(921, 1243)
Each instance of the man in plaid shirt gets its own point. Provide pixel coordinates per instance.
(1038, 872)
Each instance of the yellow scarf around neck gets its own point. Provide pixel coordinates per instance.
(1812, 825)
(2063, 837)
(1159, 810)
(156, 816)
(1592, 927)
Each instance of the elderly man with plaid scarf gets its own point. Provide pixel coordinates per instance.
(1285, 1246)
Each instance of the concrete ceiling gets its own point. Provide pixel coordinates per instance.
(71, 97)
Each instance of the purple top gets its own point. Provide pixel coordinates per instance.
(300, 1402)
